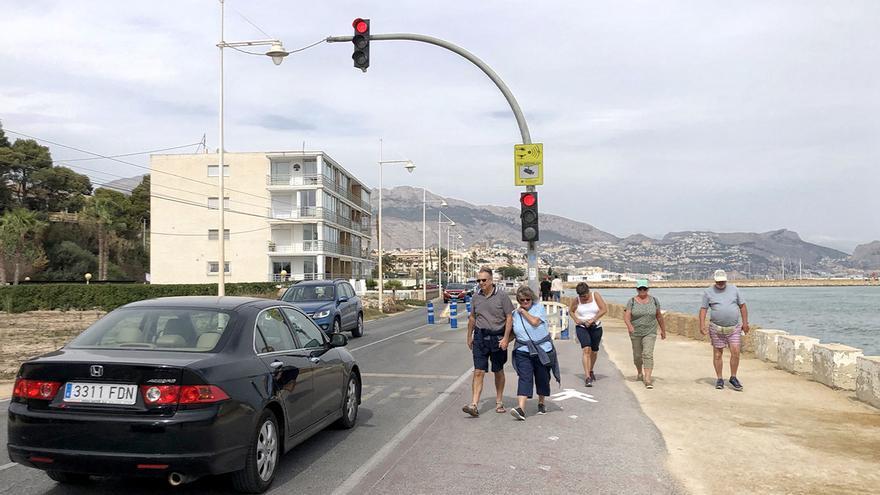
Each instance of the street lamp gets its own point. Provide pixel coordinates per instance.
(443, 204)
(88, 277)
(277, 53)
(440, 247)
(410, 166)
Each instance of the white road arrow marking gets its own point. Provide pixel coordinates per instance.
(569, 393)
(432, 343)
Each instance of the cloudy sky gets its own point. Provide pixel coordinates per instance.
(655, 116)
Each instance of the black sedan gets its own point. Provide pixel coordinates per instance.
(182, 387)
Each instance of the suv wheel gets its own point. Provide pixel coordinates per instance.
(337, 327)
(358, 329)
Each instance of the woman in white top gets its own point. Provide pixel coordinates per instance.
(586, 311)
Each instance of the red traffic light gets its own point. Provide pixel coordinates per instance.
(360, 25)
(528, 199)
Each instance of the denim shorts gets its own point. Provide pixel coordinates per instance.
(486, 350)
(589, 337)
(531, 374)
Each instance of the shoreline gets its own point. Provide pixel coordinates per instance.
(699, 284)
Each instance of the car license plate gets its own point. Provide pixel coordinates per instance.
(100, 393)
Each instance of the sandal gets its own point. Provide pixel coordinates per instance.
(649, 385)
(499, 408)
(472, 410)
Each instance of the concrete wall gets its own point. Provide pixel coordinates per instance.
(835, 365)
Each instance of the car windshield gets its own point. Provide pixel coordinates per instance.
(178, 329)
(457, 287)
(303, 293)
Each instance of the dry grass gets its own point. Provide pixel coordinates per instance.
(26, 335)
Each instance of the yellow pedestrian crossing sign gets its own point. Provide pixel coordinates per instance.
(528, 164)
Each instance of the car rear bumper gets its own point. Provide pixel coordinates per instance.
(196, 442)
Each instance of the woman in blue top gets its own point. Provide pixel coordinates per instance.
(530, 331)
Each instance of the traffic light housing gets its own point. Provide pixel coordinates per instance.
(528, 202)
(361, 42)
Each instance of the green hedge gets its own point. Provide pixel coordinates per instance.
(21, 298)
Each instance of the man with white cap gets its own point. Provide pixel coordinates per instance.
(728, 320)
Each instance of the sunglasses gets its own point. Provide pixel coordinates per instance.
(527, 299)
(642, 288)
(483, 279)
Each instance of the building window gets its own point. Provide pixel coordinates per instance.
(212, 234)
(213, 267)
(213, 170)
(212, 203)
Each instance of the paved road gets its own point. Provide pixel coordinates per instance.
(416, 377)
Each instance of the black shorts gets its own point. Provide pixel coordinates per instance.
(486, 349)
(589, 337)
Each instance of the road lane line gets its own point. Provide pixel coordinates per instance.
(407, 375)
(428, 349)
(7, 466)
(387, 338)
(356, 477)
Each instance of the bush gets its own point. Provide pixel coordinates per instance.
(372, 284)
(414, 302)
(21, 298)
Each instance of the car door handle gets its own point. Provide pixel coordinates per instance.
(276, 365)
(315, 359)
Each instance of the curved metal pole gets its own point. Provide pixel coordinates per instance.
(531, 250)
(514, 106)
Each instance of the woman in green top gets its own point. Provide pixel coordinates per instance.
(642, 316)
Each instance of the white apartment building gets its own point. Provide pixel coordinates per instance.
(292, 215)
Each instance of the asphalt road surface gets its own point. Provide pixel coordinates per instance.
(416, 377)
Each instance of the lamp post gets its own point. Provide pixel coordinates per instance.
(410, 166)
(443, 204)
(440, 247)
(88, 277)
(277, 53)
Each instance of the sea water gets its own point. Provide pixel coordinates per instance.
(845, 315)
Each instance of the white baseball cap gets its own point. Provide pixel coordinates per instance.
(720, 276)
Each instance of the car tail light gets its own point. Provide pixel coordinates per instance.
(35, 389)
(161, 395)
(201, 394)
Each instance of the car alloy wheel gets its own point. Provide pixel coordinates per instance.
(262, 457)
(350, 403)
(337, 327)
(358, 329)
(267, 450)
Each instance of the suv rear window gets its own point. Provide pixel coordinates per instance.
(178, 329)
(457, 287)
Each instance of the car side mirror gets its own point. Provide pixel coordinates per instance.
(338, 340)
(343, 299)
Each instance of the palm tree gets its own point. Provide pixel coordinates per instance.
(107, 213)
(20, 230)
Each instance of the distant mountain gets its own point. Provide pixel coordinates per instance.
(867, 256)
(125, 186)
(566, 242)
(782, 244)
(402, 222)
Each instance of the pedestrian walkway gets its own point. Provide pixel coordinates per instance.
(781, 434)
(579, 446)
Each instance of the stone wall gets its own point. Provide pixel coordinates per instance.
(835, 365)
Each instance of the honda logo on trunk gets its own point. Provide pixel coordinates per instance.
(96, 370)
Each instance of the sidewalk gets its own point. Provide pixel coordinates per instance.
(608, 446)
(782, 434)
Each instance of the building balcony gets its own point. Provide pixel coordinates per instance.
(279, 181)
(315, 247)
(314, 213)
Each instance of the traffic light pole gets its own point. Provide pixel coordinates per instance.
(531, 251)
